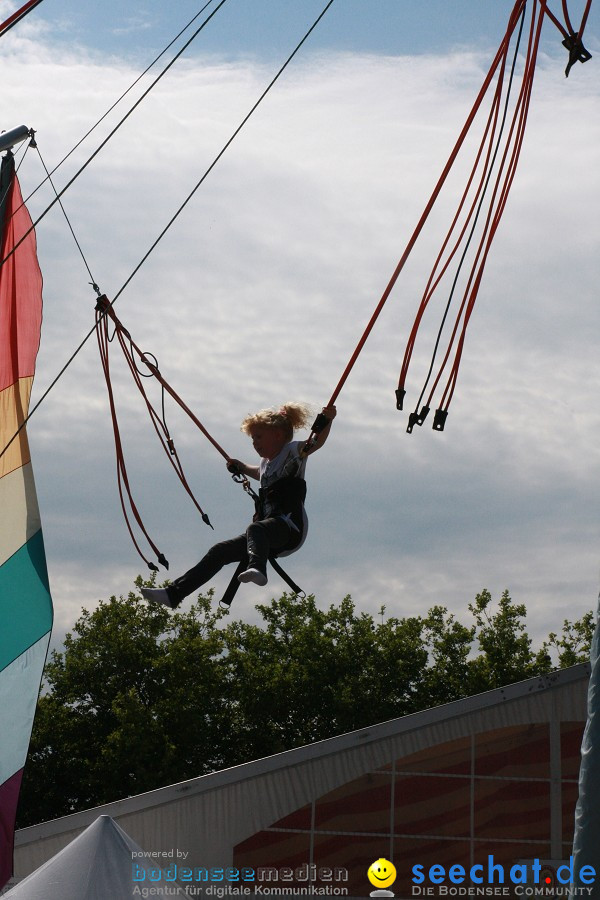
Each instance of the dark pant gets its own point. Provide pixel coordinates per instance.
(260, 540)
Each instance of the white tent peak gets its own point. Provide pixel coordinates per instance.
(97, 865)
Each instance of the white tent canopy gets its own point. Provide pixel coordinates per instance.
(97, 865)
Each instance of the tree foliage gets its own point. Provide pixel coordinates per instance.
(140, 697)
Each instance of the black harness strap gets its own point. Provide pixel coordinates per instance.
(284, 575)
(232, 587)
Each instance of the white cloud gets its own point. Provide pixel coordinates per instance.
(260, 291)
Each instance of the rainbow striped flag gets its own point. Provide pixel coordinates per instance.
(25, 601)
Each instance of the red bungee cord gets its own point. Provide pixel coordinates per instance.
(492, 147)
(104, 312)
(495, 206)
(497, 61)
(478, 184)
(18, 15)
(488, 142)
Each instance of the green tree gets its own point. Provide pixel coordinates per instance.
(505, 647)
(141, 697)
(450, 644)
(311, 673)
(133, 701)
(573, 645)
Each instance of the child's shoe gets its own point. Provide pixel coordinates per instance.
(159, 595)
(256, 573)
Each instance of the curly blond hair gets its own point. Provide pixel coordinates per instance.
(289, 418)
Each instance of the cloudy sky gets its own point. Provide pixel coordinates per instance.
(261, 289)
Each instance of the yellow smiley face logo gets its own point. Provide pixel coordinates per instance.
(382, 873)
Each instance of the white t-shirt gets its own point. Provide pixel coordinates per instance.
(288, 463)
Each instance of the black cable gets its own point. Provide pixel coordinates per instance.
(22, 160)
(480, 204)
(222, 151)
(116, 103)
(171, 221)
(18, 16)
(81, 253)
(115, 129)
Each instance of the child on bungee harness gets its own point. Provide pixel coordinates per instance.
(280, 522)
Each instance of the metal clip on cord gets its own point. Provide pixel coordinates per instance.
(440, 419)
(577, 52)
(317, 426)
(417, 418)
(239, 478)
(413, 419)
(320, 423)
